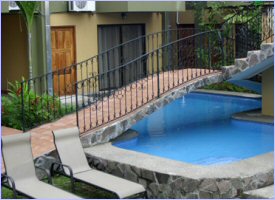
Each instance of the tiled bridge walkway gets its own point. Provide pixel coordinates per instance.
(133, 98)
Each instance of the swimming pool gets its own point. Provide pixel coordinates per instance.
(198, 129)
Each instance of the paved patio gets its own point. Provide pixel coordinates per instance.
(42, 140)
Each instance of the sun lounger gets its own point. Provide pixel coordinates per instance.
(71, 153)
(20, 170)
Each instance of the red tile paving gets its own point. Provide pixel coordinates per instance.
(42, 140)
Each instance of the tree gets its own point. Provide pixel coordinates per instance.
(28, 9)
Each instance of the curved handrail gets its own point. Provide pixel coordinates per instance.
(104, 97)
(148, 53)
(105, 52)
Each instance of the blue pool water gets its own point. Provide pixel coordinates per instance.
(198, 129)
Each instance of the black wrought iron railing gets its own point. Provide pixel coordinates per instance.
(52, 95)
(149, 76)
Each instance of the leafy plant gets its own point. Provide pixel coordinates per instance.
(202, 55)
(28, 9)
(226, 86)
(31, 109)
(210, 18)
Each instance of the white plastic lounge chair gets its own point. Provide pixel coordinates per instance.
(71, 153)
(20, 170)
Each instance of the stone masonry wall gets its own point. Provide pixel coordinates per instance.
(159, 185)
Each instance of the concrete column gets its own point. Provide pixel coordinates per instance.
(48, 45)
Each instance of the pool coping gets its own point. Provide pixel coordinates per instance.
(240, 169)
(165, 178)
(228, 93)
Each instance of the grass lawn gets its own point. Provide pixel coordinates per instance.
(226, 86)
(81, 189)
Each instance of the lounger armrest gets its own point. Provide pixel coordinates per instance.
(70, 172)
(61, 165)
(10, 182)
(48, 174)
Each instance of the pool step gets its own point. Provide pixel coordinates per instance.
(262, 193)
(254, 116)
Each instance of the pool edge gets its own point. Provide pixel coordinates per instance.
(208, 181)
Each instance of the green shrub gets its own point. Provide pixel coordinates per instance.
(226, 86)
(38, 109)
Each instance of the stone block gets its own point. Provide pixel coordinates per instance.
(252, 60)
(237, 183)
(107, 132)
(226, 189)
(241, 63)
(153, 187)
(247, 183)
(136, 170)
(45, 161)
(267, 48)
(130, 175)
(262, 56)
(149, 175)
(117, 172)
(208, 185)
(122, 168)
(162, 178)
(205, 195)
(112, 165)
(190, 185)
(177, 185)
(166, 190)
(143, 182)
(102, 165)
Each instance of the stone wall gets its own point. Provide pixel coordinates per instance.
(159, 185)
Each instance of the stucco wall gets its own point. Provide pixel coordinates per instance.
(86, 33)
(14, 49)
(268, 92)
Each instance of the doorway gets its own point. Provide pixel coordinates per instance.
(113, 35)
(63, 55)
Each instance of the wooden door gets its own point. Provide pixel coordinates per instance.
(63, 55)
